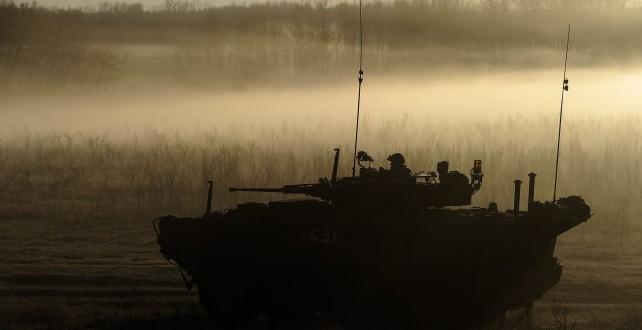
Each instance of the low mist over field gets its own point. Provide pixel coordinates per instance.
(113, 114)
(456, 98)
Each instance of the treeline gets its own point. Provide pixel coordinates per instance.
(282, 39)
(394, 23)
(483, 23)
(286, 39)
(45, 50)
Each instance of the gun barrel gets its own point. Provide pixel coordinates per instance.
(233, 189)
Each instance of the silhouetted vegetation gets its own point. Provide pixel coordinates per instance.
(93, 176)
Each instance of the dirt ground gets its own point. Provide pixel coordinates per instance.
(601, 287)
(66, 274)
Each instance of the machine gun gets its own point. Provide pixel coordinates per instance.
(321, 189)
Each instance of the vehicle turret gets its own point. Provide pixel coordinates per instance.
(397, 186)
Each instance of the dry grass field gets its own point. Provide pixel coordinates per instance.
(79, 250)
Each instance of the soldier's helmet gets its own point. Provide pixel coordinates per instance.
(396, 160)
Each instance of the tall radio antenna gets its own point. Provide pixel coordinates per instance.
(559, 130)
(356, 132)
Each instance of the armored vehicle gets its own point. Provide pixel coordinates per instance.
(387, 248)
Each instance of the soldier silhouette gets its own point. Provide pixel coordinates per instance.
(398, 167)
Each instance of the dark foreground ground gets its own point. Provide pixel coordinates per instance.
(64, 274)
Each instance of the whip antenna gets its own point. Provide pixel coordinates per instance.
(559, 130)
(356, 131)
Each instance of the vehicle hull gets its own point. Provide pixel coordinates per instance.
(301, 259)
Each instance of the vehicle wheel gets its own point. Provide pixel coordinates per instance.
(299, 296)
(232, 305)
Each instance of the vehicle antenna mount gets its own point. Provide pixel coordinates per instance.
(559, 130)
(360, 79)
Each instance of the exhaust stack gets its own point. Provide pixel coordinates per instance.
(518, 187)
(209, 198)
(336, 164)
(531, 189)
